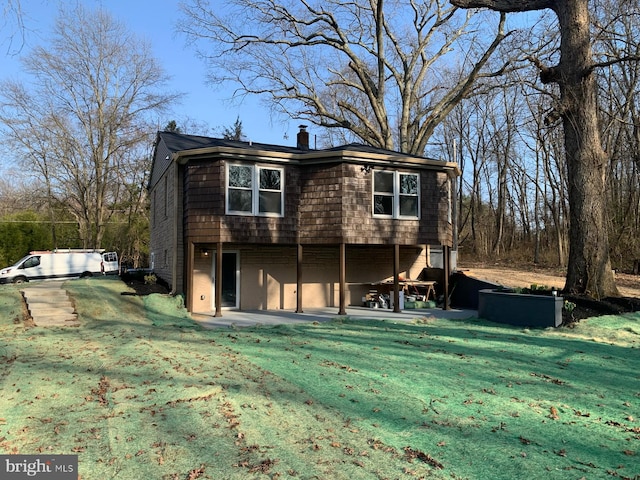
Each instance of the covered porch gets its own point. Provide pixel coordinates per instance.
(300, 277)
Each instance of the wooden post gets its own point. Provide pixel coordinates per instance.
(343, 278)
(189, 276)
(446, 263)
(218, 280)
(299, 279)
(396, 278)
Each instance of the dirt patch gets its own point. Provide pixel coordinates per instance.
(586, 307)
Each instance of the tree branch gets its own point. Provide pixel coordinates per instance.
(615, 61)
(505, 6)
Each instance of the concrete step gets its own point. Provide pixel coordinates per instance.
(44, 309)
(49, 299)
(56, 320)
(49, 305)
(52, 293)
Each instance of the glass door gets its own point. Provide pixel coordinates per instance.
(230, 279)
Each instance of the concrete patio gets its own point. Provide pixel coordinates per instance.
(238, 318)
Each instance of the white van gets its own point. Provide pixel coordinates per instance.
(58, 264)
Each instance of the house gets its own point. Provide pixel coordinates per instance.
(265, 227)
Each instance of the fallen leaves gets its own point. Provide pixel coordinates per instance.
(101, 391)
(411, 453)
(548, 378)
(346, 368)
(196, 473)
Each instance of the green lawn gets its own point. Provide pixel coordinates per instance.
(139, 391)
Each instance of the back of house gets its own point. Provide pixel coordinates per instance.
(60, 264)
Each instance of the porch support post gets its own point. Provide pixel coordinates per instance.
(343, 278)
(396, 278)
(218, 280)
(189, 276)
(446, 263)
(299, 279)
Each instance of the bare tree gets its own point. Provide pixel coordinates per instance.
(379, 69)
(12, 26)
(616, 34)
(589, 269)
(81, 124)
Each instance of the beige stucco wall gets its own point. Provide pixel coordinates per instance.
(268, 275)
(202, 282)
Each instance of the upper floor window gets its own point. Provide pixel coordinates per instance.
(254, 190)
(396, 194)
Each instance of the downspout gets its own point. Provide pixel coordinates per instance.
(174, 254)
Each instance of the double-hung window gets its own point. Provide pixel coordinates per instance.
(255, 190)
(396, 194)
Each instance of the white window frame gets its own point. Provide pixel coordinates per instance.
(395, 195)
(255, 191)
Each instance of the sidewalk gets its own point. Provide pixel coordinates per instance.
(238, 318)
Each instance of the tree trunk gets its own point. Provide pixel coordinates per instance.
(589, 269)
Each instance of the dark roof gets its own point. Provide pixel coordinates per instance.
(177, 142)
(360, 147)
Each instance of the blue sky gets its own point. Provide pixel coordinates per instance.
(155, 20)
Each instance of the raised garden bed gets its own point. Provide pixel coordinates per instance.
(521, 309)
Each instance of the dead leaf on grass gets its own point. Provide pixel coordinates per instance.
(411, 454)
(263, 467)
(196, 473)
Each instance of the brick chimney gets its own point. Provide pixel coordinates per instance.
(303, 138)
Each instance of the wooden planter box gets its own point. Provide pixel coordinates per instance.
(520, 309)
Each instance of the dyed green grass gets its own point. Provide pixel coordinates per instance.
(140, 391)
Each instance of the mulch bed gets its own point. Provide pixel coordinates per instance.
(587, 307)
(137, 283)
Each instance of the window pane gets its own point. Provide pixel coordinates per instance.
(270, 202)
(409, 184)
(383, 182)
(239, 200)
(408, 206)
(383, 205)
(239, 176)
(269, 179)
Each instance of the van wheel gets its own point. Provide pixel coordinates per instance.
(86, 274)
(20, 280)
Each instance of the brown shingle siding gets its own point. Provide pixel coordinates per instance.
(327, 201)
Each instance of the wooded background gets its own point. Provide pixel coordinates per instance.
(456, 85)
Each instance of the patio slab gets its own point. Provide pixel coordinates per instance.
(249, 318)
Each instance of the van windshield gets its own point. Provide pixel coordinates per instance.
(20, 261)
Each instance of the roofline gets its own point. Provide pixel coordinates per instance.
(319, 157)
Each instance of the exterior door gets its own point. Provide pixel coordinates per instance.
(230, 280)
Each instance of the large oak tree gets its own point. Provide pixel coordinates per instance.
(384, 72)
(589, 268)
